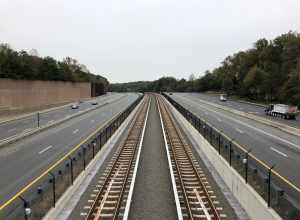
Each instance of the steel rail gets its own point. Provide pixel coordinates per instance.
(131, 144)
(171, 126)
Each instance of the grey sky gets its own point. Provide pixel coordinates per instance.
(127, 40)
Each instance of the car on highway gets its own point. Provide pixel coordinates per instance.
(75, 106)
(223, 97)
(94, 102)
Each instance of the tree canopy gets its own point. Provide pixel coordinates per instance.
(22, 65)
(270, 71)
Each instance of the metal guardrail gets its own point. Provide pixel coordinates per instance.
(278, 192)
(41, 194)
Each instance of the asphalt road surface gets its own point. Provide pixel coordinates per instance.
(268, 144)
(241, 106)
(15, 127)
(26, 159)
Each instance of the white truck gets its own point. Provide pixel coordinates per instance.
(281, 110)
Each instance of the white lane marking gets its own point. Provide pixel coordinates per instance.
(75, 131)
(239, 130)
(247, 125)
(92, 121)
(279, 152)
(44, 150)
(13, 129)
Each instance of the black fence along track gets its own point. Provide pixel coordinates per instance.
(41, 194)
(113, 188)
(277, 191)
(197, 199)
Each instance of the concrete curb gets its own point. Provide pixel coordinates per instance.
(69, 199)
(280, 126)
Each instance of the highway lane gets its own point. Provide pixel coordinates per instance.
(243, 107)
(15, 127)
(23, 161)
(267, 143)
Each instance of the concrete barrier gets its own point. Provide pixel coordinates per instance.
(253, 204)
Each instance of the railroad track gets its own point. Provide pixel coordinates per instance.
(196, 198)
(112, 191)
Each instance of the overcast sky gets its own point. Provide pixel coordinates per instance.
(127, 40)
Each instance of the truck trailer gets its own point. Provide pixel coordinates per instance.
(281, 110)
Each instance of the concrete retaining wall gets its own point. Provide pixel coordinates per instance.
(26, 94)
(253, 204)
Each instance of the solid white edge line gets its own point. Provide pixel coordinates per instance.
(128, 202)
(178, 207)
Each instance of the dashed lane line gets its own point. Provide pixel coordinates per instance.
(44, 150)
(239, 130)
(219, 120)
(278, 152)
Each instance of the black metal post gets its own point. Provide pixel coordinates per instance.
(93, 145)
(230, 151)
(25, 207)
(246, 165)
(53, 188)
(100, 139)
(38, 119)
(71, 170)
(211, 134)
(219, 143)
(106, 134)
(83, 156)
(269, 185)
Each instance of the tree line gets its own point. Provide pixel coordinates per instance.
(268, 72)
(22, 65)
